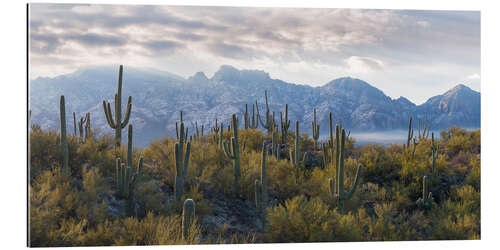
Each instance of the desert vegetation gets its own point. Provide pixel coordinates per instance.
(251, 181)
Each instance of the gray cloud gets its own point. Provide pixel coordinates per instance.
(296, 44)
(163, 46)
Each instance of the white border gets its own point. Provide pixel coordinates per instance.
(13, 123)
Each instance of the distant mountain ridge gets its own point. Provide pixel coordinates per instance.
(158, 97)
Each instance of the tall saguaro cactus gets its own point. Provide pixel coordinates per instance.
(270, 123)
(426, 200)
(64, 142)
(315, 131)
(254, 124)
(117, 123)
(435, 153)
(284, 124)
(337, 187)
(181, 162)
(188, 214)
(410, 134)
(425, 133)
(233, 152)
(295, 154)
(261, 196)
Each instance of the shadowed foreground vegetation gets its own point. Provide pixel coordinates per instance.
(84, 209)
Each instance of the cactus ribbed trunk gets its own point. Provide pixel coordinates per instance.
(233, 152)
(64, 142)
(188, 214)
(181, 162)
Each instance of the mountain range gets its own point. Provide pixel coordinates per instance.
(158, 97)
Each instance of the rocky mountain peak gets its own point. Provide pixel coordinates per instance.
(199, 77)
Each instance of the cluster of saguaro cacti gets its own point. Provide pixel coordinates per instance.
(410, 137)
(315, 130)
(117, 123)
(270, 122)
(64, 141)
(83, 128)
(337, 186)
(275, 146)
(181, 161)
(125, 179)
(218, 134)
(250, 121)
(232, 151)
(435, 153)
(188, 214)
(261, 187)
(425, 133)
(284, 124)
(295, 154)
(426, 200)
(328, 146)
(197, 134)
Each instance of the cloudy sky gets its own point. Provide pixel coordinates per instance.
(416, 54)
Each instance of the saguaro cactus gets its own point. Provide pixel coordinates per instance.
(425, 133)
(435, 153)
(254, 124)
(261, 197)
(410, 134)
(295, 154)
(84, 129)
(285, 125)
(275, 146)
(315, 130)
(218, 135)
(426, 200)
(233, 152)
(183, 134)
(117, 123)
(246, 117)
(188, 214)
(270, 122)
(64, 142)
(181, 162)
(337, 188)
(125, 180)
(74, 127)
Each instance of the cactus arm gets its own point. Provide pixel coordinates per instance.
(127, 112)
(108, 114)
(129, 146)
(355, 185)
(227, 151)
(186, 158)
(64, 142)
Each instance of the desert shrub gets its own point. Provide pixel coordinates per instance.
(380, 166)
(302, 220)
(474, 176)
(155, 230)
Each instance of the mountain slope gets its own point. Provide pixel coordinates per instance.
(159, 96)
